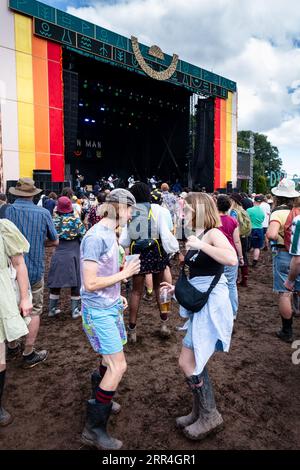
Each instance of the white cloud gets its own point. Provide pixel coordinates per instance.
(251, 42)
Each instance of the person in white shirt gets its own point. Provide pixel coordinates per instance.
(267, 211)
(131, 181)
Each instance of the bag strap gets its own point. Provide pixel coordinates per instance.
(214, 282)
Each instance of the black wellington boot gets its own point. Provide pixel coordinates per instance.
(210, 420)
(95, 433)
(95, 380)
(5, 417)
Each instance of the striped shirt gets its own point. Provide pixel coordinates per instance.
(36, 224)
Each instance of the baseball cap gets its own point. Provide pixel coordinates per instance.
(259, 198)
(121, 196)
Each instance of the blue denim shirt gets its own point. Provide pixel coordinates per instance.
(36, 224)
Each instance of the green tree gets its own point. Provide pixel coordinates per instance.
(266, 158)
(261, 185)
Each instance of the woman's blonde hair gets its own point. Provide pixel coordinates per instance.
(204, 211)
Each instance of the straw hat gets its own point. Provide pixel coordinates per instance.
(25, 187)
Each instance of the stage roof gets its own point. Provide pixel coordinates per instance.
(94, 41)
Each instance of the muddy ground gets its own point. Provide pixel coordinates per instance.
(257, 386)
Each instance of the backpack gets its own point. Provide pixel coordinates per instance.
(3, 210)
(288, 227)
(244, 222)
(45, 199)
(140, 229)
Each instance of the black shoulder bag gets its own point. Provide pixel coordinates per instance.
(188, 296)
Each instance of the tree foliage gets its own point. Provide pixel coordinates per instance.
(266, 158)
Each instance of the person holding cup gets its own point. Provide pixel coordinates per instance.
(210, 328)
(102, 311)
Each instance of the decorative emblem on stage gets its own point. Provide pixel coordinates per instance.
(156, 52)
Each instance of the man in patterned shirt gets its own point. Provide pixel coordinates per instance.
(36, 224)
(168, 200)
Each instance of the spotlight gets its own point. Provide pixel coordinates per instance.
(102, 109)
(86, 120)
(93, 121)
(80, 104)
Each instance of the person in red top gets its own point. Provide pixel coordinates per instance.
(230, 228)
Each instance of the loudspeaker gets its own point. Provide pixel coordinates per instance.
(203, 158)
(221, 190)
(9, 184)
(70, 112)
(229, 187)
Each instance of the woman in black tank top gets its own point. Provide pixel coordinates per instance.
(207, 254)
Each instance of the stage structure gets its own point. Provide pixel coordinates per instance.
(77, 96)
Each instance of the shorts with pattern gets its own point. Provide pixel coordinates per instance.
(105, 328)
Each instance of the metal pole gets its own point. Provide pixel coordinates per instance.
(252, 153)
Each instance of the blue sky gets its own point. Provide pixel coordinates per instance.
(256, 43)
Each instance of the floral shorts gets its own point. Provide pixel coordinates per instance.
(105, 328)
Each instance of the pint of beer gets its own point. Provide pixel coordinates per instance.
(165, 301)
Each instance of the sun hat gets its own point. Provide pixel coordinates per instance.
(285, 188)
(64, 205)
(183, 195)
(236, 198)
(25, 187)
(121, 196)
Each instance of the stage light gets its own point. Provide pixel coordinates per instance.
(80, 104)
(102, 109)
(93, 120)
(86, 120)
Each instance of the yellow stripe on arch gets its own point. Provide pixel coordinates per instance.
(26, 131)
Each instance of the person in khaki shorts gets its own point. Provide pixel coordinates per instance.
(36, 224)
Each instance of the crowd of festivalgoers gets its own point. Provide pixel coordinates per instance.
(114, 237)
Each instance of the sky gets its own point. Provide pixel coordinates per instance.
(255, 43)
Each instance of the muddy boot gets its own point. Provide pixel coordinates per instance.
(53, 306)
(95, 381)
(5, 417)
(131, 335)
(210, 420)
(286, 333)
(95, 433)
(184, 421)
(244, 272)
(75, 303)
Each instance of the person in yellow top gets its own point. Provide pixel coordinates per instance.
(285, 196)
(12, 325)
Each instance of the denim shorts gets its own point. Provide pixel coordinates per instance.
(257, 238)
(281, 266)
(105, 328)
